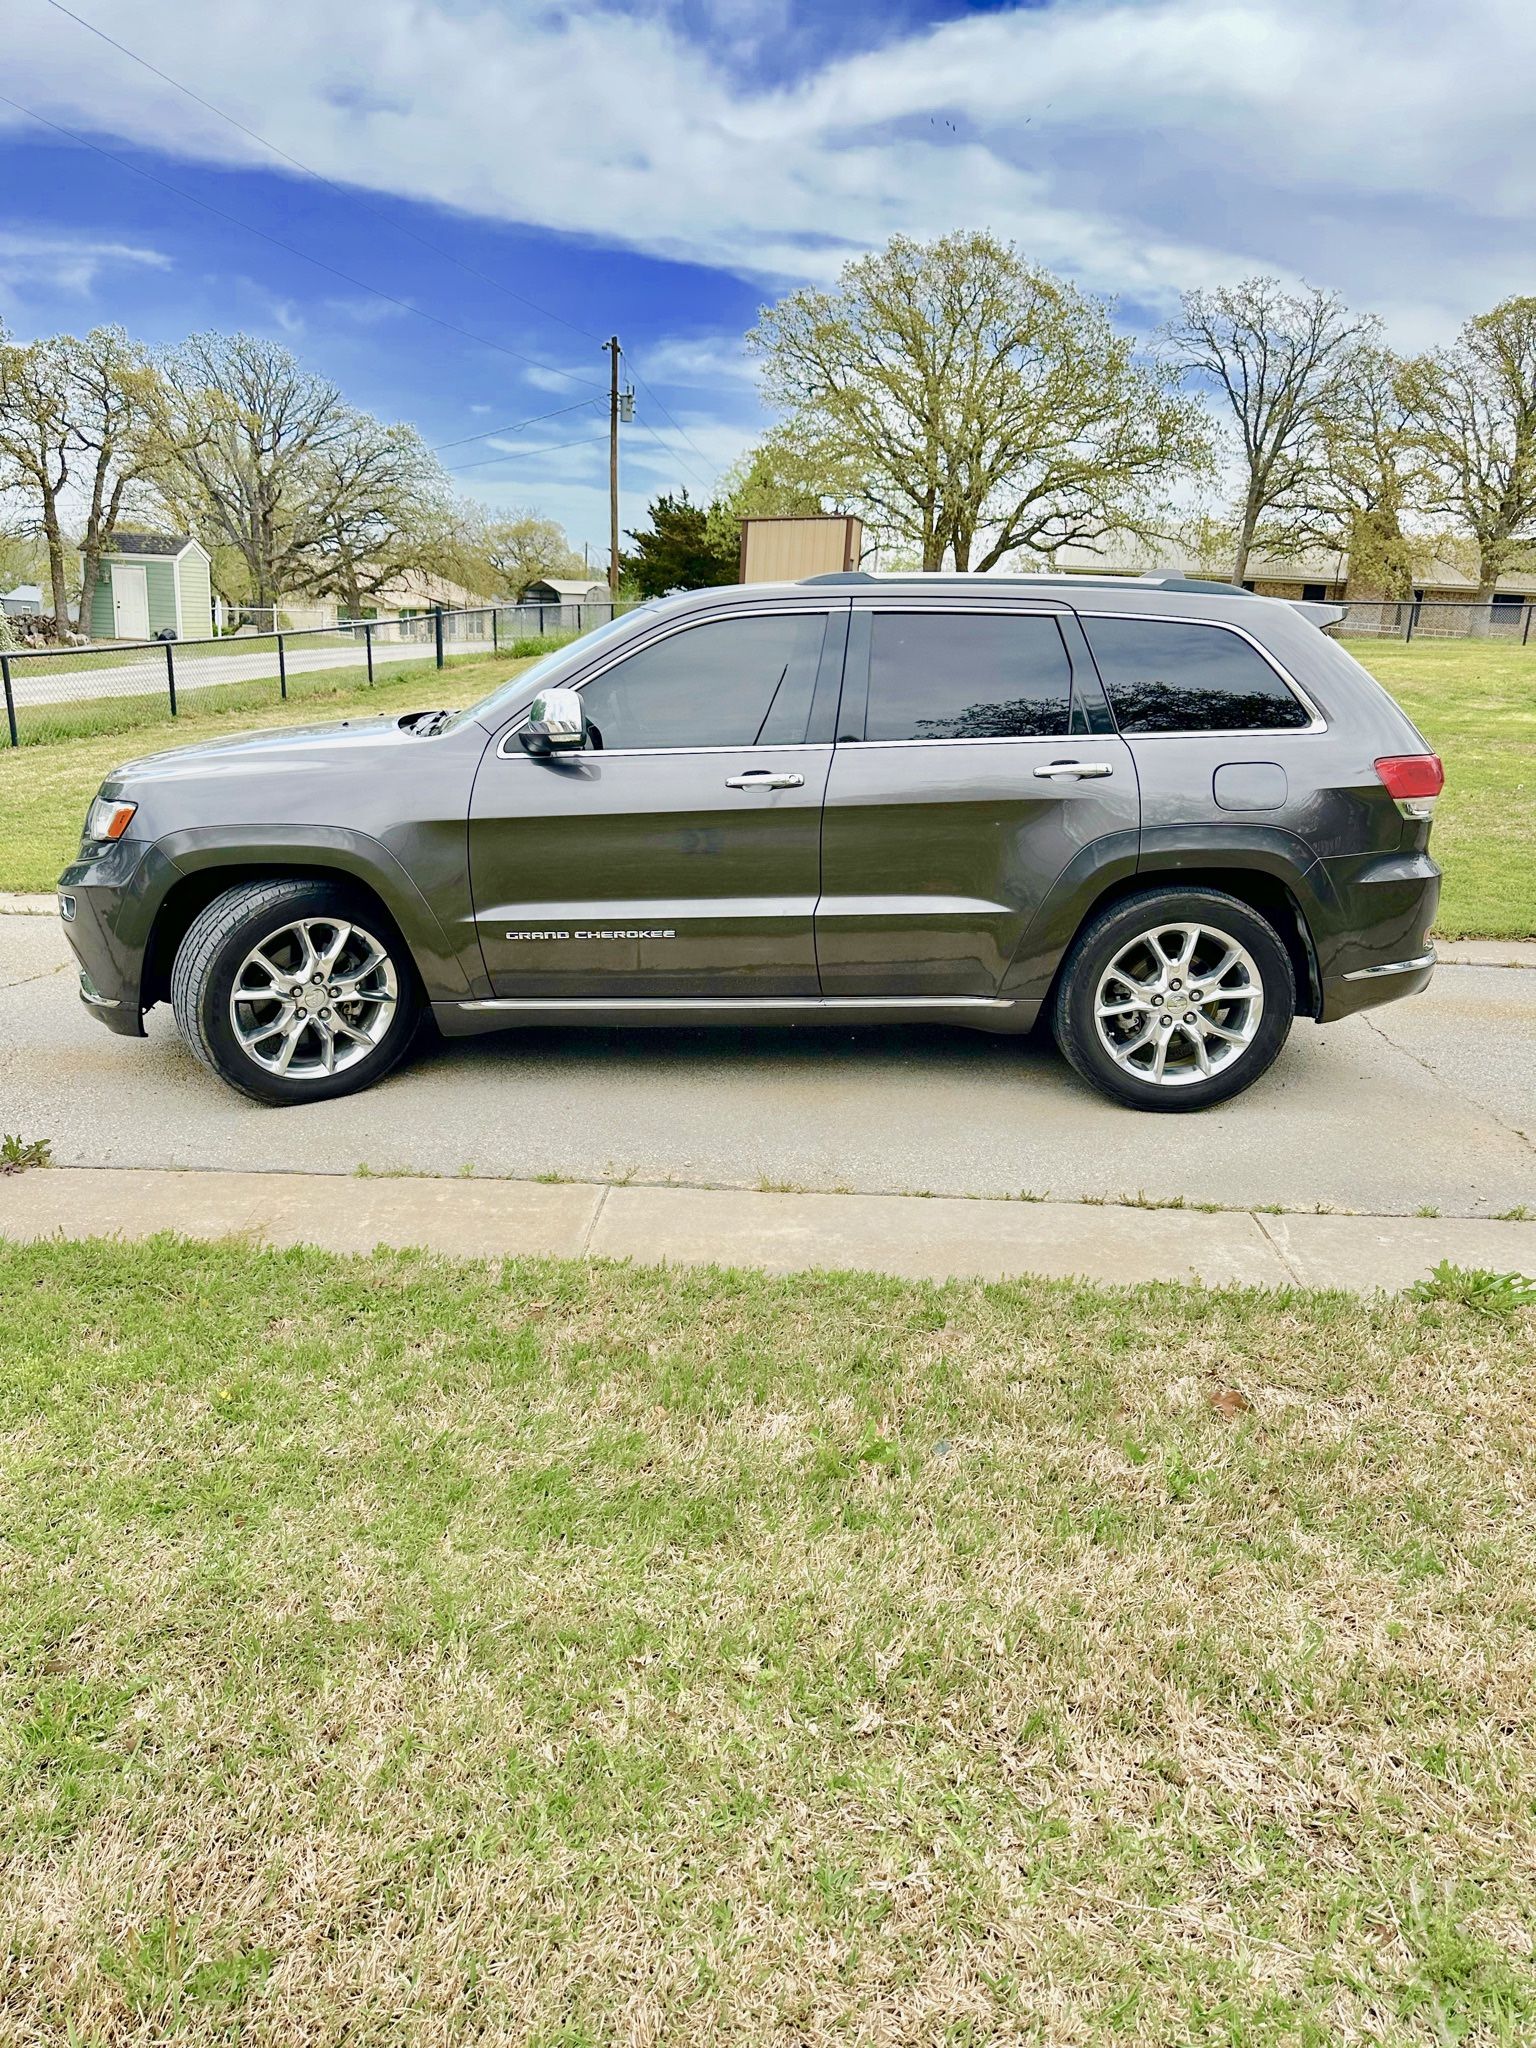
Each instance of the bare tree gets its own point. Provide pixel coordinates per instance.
(974, 403)
(248, 439)
(1475, 405)
(1276, 359)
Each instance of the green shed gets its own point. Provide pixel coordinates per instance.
(152, 584)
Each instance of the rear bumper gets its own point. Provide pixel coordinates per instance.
(1380, 950)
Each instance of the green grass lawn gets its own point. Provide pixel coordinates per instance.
(1476, 701)
(44, 790)
(403, 1652)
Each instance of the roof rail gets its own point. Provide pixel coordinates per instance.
(840, 576)
(1195, 583)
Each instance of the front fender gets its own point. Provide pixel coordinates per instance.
(448, 960)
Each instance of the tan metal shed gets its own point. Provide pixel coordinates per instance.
(783, 549)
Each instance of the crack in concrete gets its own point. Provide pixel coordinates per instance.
(62, 968)
(1282, 1252)
(1435, 1074)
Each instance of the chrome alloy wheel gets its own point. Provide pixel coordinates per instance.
(314, 998)
(1179, 1003)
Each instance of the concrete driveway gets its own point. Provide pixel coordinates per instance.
(1428, 1103)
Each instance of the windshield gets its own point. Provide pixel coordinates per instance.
(505, 695)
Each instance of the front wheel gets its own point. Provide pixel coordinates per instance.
(294, 991)
(1176, 999)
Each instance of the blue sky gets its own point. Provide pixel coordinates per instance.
(661, 170)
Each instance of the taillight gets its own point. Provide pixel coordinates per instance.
(1413, 781)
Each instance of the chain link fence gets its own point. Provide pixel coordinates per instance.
(72, 692)
(1435, 618)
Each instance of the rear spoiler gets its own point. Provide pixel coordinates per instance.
(1320, 615)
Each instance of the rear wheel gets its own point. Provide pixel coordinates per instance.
(295, 991)
(1176, 999)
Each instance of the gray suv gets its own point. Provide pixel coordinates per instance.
(1166, 815)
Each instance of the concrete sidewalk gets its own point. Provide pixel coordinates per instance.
(911, 1236)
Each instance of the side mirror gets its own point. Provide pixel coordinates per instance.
(557, 723)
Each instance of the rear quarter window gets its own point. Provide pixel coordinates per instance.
(1166, 675)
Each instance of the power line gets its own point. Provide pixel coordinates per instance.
(234, 220)
(511, 454)
(347, 192)
(707, 483)
(516, 426)
(679, 426)
(357, 198)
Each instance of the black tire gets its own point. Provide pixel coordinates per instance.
(222, 937)
(1105, 938)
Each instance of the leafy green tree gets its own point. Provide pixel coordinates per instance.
(522, 548)
(1475, 407)
(776, 479)
(1373, 472)
(1278, 361)
(675, 552)
(75, 428)
(969, 402)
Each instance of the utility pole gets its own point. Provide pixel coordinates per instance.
(612, 346)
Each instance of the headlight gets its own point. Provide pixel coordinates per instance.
(109, 817)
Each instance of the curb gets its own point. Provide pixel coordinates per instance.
(908, 1236)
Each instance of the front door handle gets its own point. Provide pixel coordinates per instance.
(764, 778)
(1074, 771)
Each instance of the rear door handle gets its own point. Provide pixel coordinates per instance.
(764, 778)
(1074, 771)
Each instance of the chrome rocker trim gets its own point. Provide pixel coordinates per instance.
(710, 1004)
(1394, 967)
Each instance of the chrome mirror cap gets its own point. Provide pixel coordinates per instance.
(557, 721)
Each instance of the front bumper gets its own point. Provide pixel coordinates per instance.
(108, 906)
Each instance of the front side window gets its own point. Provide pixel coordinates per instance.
(967, 676)
(1164, 675)
(726, 683)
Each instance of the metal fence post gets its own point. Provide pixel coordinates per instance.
(368, 643)
(437, 632)
(1525, 630)
(170, 676)
(282, 669)
(541, 622)
(10, 701)
(1413, 620)
(495, 629)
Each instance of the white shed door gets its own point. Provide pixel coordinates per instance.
(130, 600)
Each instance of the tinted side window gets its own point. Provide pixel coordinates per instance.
(958, 676)
(1164, 676)
(730, 683)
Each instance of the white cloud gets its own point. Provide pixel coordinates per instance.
(66, 262)
(1382, 146)
(708, 360)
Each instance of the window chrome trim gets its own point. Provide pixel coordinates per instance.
(1317, 722)
(506, 752)
(815, 609)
